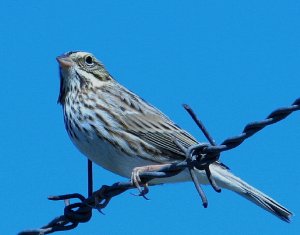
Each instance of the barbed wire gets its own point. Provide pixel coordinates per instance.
(199, 157)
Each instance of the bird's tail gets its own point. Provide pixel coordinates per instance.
(225, 179)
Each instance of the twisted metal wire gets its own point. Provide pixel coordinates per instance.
(254, 127)
(198, 157)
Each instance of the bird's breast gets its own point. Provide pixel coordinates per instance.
(94, 141)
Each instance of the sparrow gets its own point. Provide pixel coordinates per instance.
(121, 132)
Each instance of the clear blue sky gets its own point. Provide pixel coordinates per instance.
(232, 61)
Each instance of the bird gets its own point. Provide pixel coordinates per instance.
(119, 131)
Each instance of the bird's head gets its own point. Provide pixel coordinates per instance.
(78, 69)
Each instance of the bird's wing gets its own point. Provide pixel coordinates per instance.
(150, 125)
(146, 122)
(158, 130)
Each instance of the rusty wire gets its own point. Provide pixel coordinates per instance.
(199, 157)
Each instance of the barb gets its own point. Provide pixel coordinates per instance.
(207, 170)
(199, 124)
(198, 157)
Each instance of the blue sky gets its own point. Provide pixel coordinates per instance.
(232, 61)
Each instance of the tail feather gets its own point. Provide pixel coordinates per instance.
(226, 179)
(269, 204)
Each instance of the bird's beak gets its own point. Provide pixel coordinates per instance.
(64, 61)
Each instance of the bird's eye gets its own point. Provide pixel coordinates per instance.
(89, 60)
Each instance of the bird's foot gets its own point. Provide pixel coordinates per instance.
(136, 179)
(137, 182)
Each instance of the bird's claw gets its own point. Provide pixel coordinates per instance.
(136, 181)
